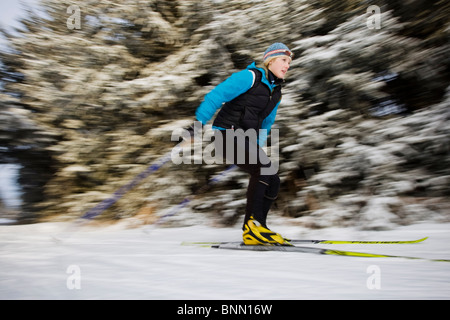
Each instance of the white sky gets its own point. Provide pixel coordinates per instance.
(11, 11)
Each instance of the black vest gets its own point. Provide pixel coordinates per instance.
(248, 110)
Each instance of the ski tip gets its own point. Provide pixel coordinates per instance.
(417, 241)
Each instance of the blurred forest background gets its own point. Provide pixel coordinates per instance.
(86, 105)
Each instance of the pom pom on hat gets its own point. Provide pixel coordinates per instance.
(277, 49)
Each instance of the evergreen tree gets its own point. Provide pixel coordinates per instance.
(90, 90)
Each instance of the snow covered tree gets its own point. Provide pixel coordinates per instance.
(95, 87)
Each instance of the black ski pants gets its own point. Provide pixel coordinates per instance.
(241, 149)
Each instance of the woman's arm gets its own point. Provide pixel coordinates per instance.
(232, 87)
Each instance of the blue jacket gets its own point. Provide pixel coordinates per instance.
(237, 84)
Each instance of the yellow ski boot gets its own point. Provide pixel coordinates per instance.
(256, 234)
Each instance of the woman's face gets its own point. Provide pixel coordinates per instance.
(279, 66)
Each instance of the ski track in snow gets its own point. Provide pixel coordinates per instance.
(149, 263)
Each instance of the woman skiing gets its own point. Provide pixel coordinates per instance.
(249, 101)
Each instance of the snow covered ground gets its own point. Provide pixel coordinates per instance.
(149, 263)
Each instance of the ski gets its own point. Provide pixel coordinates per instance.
(314, 250)
(306, 241)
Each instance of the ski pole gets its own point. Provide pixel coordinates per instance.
(105, 204)
(189, 198)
